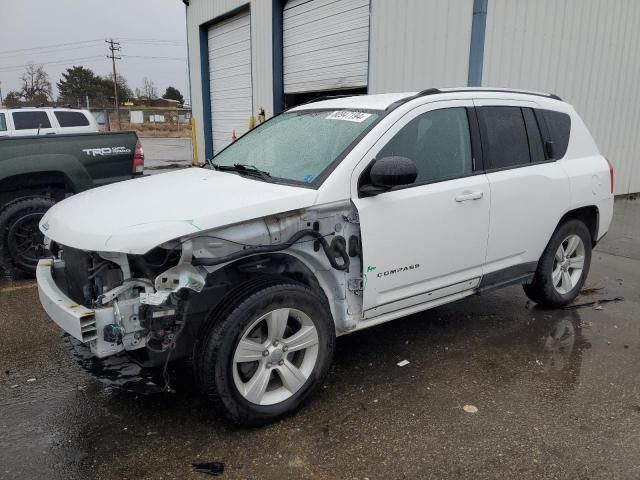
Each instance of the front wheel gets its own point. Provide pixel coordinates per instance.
(267, 352)
(563, 267)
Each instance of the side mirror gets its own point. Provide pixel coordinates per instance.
(389, 172)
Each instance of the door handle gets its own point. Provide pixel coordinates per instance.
(469, 195)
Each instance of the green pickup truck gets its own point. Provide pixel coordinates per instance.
(38, 171)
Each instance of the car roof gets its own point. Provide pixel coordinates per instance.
(386, 100)
(27, 109)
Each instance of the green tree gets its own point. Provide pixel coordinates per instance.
(173, 93)
(77, 83)
(12, 100)
(124, 92)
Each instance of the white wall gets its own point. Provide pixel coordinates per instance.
(587, 52)
(418, 44)
(203, 11)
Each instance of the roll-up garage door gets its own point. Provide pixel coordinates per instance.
(230, 78)
(326, 45)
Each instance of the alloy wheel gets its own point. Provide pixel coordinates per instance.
(568, 264)
(275, 356)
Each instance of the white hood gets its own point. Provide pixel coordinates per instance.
(138, 215)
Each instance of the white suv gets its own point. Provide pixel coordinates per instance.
(329, 218)
(18, 122)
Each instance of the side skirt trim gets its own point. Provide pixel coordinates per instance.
(514, 275)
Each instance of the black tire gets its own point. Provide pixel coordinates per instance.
(542, 290)
(17, 218)
(224, 329)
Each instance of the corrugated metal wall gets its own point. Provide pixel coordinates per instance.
(417, 44)
(587, 52)
(203, 11)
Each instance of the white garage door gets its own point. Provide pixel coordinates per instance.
(230, 78)
(326, 44)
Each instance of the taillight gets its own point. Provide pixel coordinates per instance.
(138, 160)
(610, 173)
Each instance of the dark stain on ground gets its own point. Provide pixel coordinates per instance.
(557, 395)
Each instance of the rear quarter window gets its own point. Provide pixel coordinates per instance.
(72, 119)
(559, 126)
(30, 120)
(3, 123)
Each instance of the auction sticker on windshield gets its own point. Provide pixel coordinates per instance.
(348, 116)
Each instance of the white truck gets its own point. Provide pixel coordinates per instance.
(332, 217)
(20, 122)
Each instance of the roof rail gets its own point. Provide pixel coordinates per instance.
(433, 91)
(327, 97)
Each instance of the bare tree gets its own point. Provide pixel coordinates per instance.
(149, 89)
(35, 84)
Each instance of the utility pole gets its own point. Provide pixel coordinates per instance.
(115, 47)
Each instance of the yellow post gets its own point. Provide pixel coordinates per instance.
(194, 144)
(252, 122)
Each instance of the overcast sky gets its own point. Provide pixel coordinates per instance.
(63, 33)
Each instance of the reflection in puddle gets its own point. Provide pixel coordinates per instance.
(559, 346)
(118, 371)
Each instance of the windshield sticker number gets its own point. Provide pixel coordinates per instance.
(348, 116)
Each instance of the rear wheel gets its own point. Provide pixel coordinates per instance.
(563, 267)
(267, 352)
(22, 244)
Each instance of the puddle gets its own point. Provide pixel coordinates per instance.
(117, 371)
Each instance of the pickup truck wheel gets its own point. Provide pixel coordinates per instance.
(563, 267)
(266, 354)
(21, 242)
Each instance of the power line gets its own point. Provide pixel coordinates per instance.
(54, 62)
(50, 46)
(148, 57)
(48, 52)
(150, 40)
(44, 49)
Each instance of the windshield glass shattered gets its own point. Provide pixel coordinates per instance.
(296, 146)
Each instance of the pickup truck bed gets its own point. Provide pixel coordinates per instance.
(37, 171)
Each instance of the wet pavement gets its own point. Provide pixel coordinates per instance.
(165, 154)
(557, 393)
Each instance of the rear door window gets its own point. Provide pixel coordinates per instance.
(559, 127)
(71, 119)
(30, 120)
(504, 137)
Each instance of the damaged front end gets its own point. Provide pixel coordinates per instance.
(110, 300)
(117, 302)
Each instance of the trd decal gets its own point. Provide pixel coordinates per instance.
(93, 152)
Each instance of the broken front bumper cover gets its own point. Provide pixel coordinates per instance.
(77, 320)
(82, 323)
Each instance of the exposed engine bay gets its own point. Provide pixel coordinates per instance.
(156, 303)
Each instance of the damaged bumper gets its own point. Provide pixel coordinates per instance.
(85, 324)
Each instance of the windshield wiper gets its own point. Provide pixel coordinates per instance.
(244, 169)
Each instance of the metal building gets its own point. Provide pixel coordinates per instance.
(274, 54)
